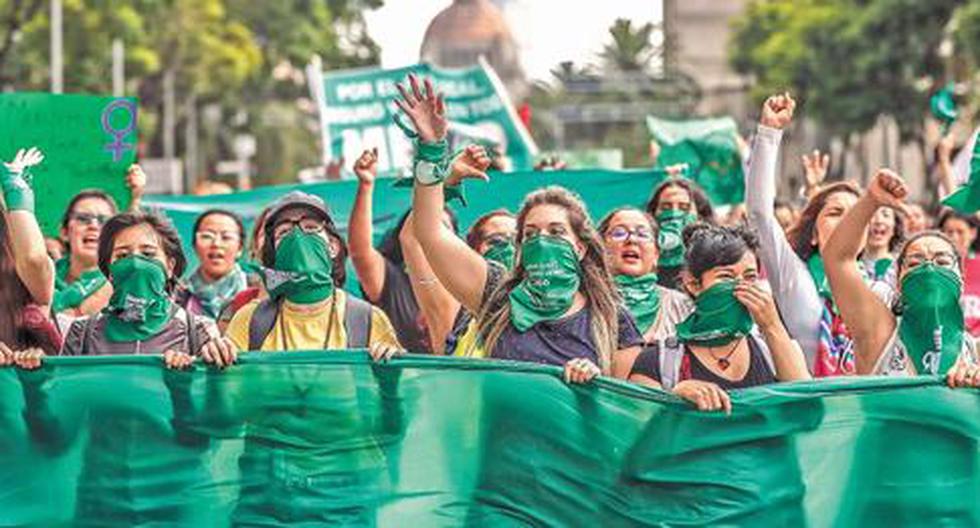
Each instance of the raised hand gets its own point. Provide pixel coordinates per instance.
(705, 395)
(581, 370)
(777, 111)
(366, 167)
(815, 167)
(888, 189)
(427, 110)
(136, 181)
(471, 164)
(24, 159)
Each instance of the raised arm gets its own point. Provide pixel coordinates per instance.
(368, 262)
(787, 358)
(869, 321)
(136, 181)
(458, 267)
(31, 260)
(793, 288)
(438, 306)
(944, 166)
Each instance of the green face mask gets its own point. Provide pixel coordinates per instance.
(303, 270)
(642, 298)
(552, 276)
(932, 320)
(718, 318)
(501, 252)
(140, 306)
(671, 223)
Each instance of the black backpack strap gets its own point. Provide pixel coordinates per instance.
(357, 322)
(87, 334)
(193, 343)
(263, 319)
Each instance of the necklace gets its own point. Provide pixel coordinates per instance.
(723, 362)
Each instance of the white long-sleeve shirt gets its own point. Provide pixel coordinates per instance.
(793, 288)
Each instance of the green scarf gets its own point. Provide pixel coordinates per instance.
(214, 295)
(881, 267)
(501, 252)
(815, 265)
(931, 327)
(671, 224)
(552, 276)
(303, 271)
(718, 318)
(642, 298)
(72, 295)
(140, 306)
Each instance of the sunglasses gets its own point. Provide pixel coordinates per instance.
(90, 218)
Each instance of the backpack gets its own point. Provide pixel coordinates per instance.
(672, 356)
(357, 322)
(193, 343)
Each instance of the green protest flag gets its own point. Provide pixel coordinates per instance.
(943, 107)
(709, 147)
(966, 199)
(330, 439)
(88, 141)
(356, 109)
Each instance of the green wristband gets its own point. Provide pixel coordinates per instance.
(17, 193)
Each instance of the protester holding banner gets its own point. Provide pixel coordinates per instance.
(734, 339)
(630, 236)
(303, 259)
(792, 260)
(80, 288)
(219, 238)
(558, 306)
(927, 334)
(962, 230)
(675, 204)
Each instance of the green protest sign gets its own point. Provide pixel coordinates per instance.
(709, 147)
(329, 439)
(88, 142)
(356, 108)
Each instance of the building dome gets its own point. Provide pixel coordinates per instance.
(467, 29)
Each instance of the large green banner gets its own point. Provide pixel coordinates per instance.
(88, 142)
(329, 439)
(356, 109)
(602, 190)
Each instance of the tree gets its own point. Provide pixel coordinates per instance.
(631, 49)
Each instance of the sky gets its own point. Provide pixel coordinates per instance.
(398, 28)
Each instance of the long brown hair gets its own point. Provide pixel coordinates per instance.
(800, 236)
(601, 298)
(14, 296)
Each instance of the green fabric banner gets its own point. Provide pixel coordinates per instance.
(88, 142)
(709, 147)
(356, 109)
(602, 191)
(330, 439)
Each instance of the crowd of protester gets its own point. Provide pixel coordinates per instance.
(855, 281)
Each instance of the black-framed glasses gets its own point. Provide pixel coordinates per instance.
(621, 234)
(499, 238)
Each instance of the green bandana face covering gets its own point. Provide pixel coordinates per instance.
(642, 298)
(932, 320)
(501, 252)
(552, 276)
(303, 270)
(139, 307)
(718, 318)
(671, 223)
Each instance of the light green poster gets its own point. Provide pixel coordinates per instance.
(88, 142)
(356, 108)
(710, 149)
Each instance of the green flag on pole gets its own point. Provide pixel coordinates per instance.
(966, 199)
(709, 148)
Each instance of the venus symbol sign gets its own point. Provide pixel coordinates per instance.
(119, 146)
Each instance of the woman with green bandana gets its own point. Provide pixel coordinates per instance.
(918, 328)
(80, 288)
(630, 236)
(734, 339)
(219, 237)
(558, 305)
(675, 204)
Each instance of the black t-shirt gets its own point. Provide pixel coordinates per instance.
(553, 342)
(398, 302)
(759, 373)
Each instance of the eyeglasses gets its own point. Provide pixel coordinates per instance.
(307, 224)
(212, 237)
(621, 234)
(499, 238)
(90, 218)
(943, 259)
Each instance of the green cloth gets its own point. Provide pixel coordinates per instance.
(943, 107)
(552, 275)
(69, 295)
(118, 441)
(140, 306)
(303, 270)
(502, 252)
(881, 267)
(17, 192)
(213, 296)
(642, 298)
(671, 224)
(718, 318)
(709, 148)
(966, 199)
(931, 326)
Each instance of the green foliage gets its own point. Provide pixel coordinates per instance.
(631, 48)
